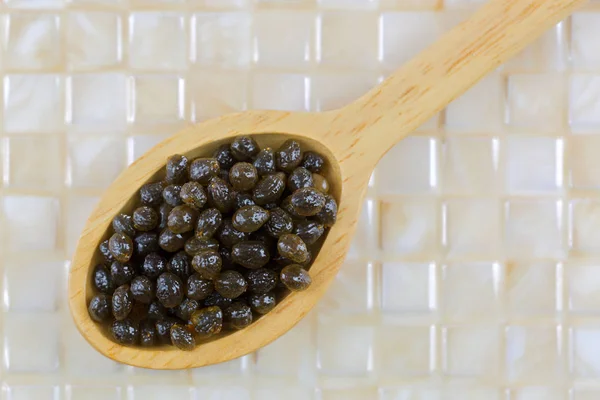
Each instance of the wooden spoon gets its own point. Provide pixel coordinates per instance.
(353, 139)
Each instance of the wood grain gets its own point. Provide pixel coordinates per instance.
(353, 139)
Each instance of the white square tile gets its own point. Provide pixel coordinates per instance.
(235, 367)
(288, 92)
(34, 103)
(286, 392)
(405, 351)
(158, 99)
(348, 394)
(94, 161)
(158, 40)
(32, 41)
(410, 393)
(534, 354)
(584, 52)
(216, 93)
(94, 39)
(32, 223)
(584, 165)
(471, 351)
(93, 393)
(159, 392)
(283, 39)
(334, 336)
(584, 102)
(349, 4)
(138, 145)
(534, 228)
(583, 281)
(532, 288)
(535, 101)
(98, 102)
(222, 39)
(471, 290)
(539, 393)
(584, 222)
(422, 27)
(34, 162)
(585, 352)
(470, 164)
(548, 53)
(80, 208)
(352, 291)
(31, 342)
(411, 166)
(534, 164)
(584, 393)
(234, 4)
(472, 227)
(479, 109)
(472, 392)
(347, 39)
(81, 360)
(31, 392)
(408, 287)
(221, 393)
(31, 285)
(330, 91)
(366, 237)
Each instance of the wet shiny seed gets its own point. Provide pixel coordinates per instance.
(145, 243)
(207, 264)
(261, 280)
(243, 176)
(196, 245)
(251, 254)
(182, 219)
(295, 278)
(142, 289)
(153, 266)
(328, 214)
(220, 195)
(121, 273)
(230, 284)
(105, 251)
(300, 178)
(123, 223)
(224, 157)
(121, 247)
(100, 307)
(182, 338)
(176, 169)
(262, 303)
(163, 329)
(163, 215)
(172, 195)
(288, 156)
(151, 194)
(279, 223)
(198, 288)
(181, 265)
(250, 218)
(102, 280)
(186, 308)
(269, 189)
(148, 336)
(309, 231)
(169, 290)
(193, 194)
(238, 315)
(145, 219)
(125, 332)
(207, 321)
(202, 170)
(320, 183)
(170, 241)
(122, 302)
(292, 247)
(243, 200)
(208, 223)
(307, 201)
(156, 310)
(228, 235)
(313, 162)
(265, 162)
(244, 148)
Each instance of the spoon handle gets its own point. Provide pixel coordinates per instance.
(445, 70)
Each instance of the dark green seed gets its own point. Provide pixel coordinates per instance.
(286, 205)
(220, 195)
(103, 281)
(292, 247)
(142, 289)
(100, 307)
(198, 288)
(125, 332)
(261, 280)
(163, 215)
(148, 336)
(269, 189)
(328, 214)
(193, 194)
(309, 231)
(300, 178)
(228, 235)
(208, 223)
(313, 162)
(145, 219)
(263, 237)
(215, 299)
(237, 315)
(207, 264)
(151, 194)
(169, 290)
(288, 156)
(156, 310)
(295, 278)
(243, 176)
(121, 273)
(163, 329)
(122, 302)
(243, 200)
(182, 219)
(265, 162)
(250, 218)
(181, 265)
(121, 247)
(145, 243)
(320, 183)
(170, 241)
(171, 195)
(153, 266)
(203, 170)
(244, 148)
(207, 321)
(224, 157)
(196, 245)
(123, 223)
(262, 303)
(105, 251)
(250, 254)
(279, 223)
(176, 170)
(186, 308)
(182, 338)
(226, 259)
(230, 284)
(307, 201)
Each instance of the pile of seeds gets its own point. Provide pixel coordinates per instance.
(215, 245)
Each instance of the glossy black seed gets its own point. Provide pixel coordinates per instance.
(307, 201)
(148, 336)
(215, 299)
(125, 332)
(320, 183)
(123, 223)
(198, 288)
(328, 214)
(182, 338)
(105, 251)
(121, 247)
(163, 329)
(170, 241)
(300, 178)
(282, 261)
(122, 302)
(243, 200)
(163, 215)
(193, 194)
(186, 308)
(250, 254)
(295, 278)
(169, 290)
(269, 189)
(156, 310)
(151, 194)
(313, 162)
(102, 279)
(142, 289)
(244, 148)
(249, 218)
(220, 195)
(279, 223)
(145, 243)
(288, 156)
(207, 264)
(224, 174)
(181, 265)
(228, 235)
(238, 315)
(226, 259)
(176, 170)
(270, 206)
(208, 223)
(262, 303)
(261, 280)
(182, 219)
(153, 266)
(203, 170)
(145, 219)
(309, 231)
(224, 157)
(100, 307)
(263, 237)
(121, 273)
(243, 176)
(230, 284)
(292, 247)
(207, 321)
(196, 245)
(286, 205)
(265, 162)
(172, 195)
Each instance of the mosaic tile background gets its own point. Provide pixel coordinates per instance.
(476, 270)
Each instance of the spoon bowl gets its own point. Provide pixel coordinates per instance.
(352, 140)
